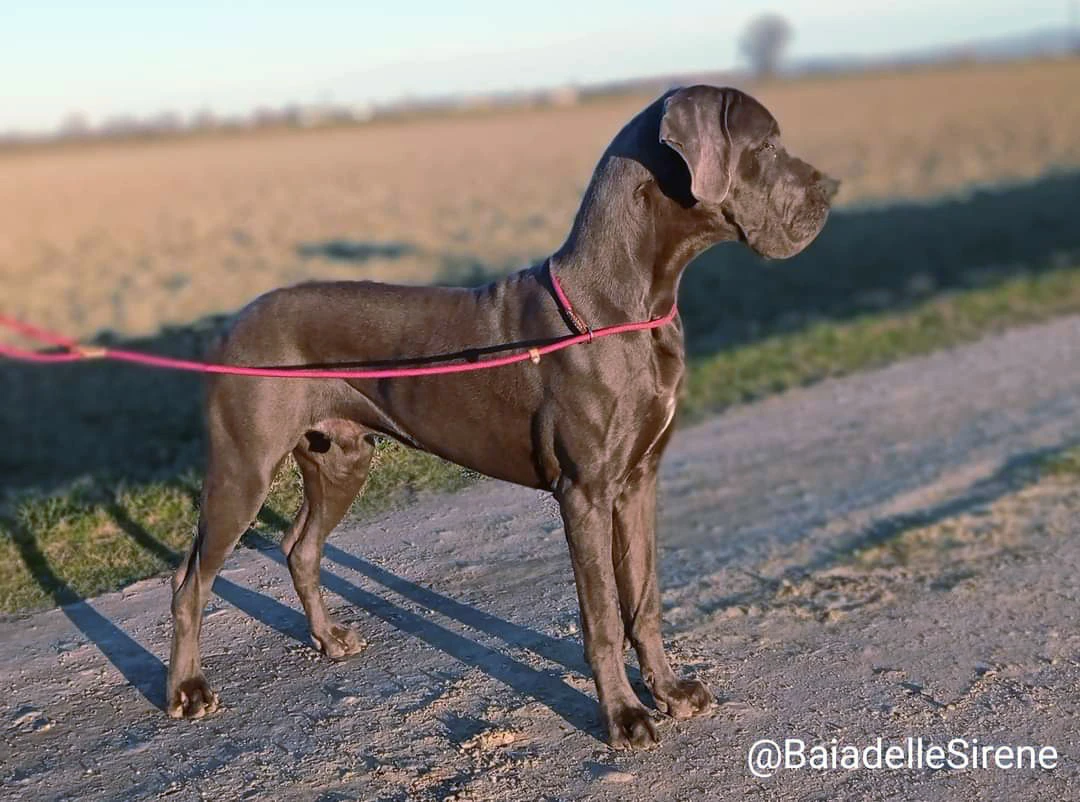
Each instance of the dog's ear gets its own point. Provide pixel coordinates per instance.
(694, 124)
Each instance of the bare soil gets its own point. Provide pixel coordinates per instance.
(872, 556)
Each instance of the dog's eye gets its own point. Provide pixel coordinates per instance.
(767, 147)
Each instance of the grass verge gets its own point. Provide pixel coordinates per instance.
(97, 538)
(1065, 465)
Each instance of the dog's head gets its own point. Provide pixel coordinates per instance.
(739, 168)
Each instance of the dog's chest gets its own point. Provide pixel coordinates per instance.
(665, 380)
(665, 413)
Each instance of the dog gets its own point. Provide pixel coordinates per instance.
(698, 166)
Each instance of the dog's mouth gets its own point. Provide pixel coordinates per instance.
(740, 232)
(806, 227)
(786, 239)
(791, 224)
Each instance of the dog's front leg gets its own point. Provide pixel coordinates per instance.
(587, 518)
(639, 595)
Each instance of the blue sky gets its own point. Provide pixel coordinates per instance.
(104, 58)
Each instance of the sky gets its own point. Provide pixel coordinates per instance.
(105, 58)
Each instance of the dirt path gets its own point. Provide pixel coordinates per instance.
(867, 557)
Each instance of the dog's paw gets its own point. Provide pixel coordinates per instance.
(192, 698)
(631, 727)
(683, 698)
(339, 642)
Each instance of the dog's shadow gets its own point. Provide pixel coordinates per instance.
(145, 672)
(142, 670)
(547, 687)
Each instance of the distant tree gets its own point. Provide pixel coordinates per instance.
(74, 126)
(164, 122)
(203, 120)
(265, 116)
(763, 43)
(292, 114)
(120, 125)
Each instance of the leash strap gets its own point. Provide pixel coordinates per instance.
(74, 352)
(578, 323)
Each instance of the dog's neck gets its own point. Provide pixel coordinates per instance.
(624, 264)
(637, 229)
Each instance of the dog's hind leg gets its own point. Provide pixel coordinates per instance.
(237, 481)
(334, 461)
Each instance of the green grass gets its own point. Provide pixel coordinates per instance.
(1065, 465)
(91, 538)
(94, 539)
(835, 349)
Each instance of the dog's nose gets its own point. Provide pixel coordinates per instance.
(827, 186)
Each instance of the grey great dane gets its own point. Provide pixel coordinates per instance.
(698, 166)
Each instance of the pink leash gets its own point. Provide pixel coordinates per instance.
(76, 353)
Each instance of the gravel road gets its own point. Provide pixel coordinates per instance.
(871, 556)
